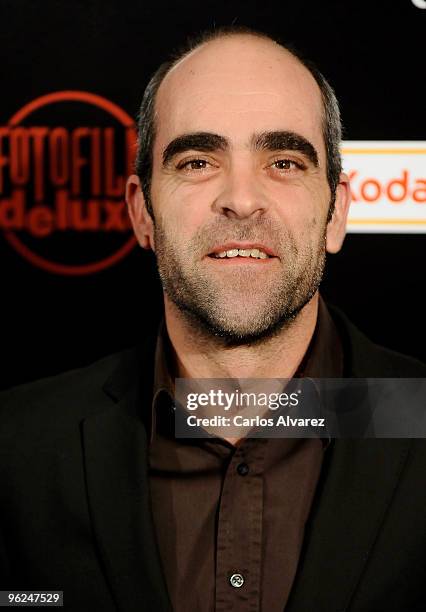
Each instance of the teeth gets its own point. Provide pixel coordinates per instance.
(256, 253)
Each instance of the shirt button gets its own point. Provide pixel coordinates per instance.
(242, 469)
(236, 580)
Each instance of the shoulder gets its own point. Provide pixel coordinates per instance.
(366, 359)
(67, 396)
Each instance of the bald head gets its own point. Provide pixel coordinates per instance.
(235, 57)
(224, 81)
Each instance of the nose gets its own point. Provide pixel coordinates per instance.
(241, 195)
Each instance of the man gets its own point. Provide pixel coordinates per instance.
(240, 194)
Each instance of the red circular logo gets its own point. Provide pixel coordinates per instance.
(64, 184)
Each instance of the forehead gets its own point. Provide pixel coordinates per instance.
(235, 86)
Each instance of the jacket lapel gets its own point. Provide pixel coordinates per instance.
(358, 480)
(360, 477)
(115, 459)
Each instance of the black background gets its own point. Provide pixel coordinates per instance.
(372, 53)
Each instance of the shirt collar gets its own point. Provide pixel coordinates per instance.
(324, 356)
(323, 359)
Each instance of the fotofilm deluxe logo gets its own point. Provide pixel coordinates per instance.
(64, 159)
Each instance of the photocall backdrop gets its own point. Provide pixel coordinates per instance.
(74, 284)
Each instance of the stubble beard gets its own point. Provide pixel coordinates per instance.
(241, 306)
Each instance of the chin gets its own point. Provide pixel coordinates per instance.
(241, 333)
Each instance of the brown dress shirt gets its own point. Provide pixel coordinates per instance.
(230, 519)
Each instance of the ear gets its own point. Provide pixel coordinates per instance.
(336, 228)
(142, 222)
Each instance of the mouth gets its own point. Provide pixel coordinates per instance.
(242, 253)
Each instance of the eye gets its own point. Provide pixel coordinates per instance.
(196, 164)
(287, 165)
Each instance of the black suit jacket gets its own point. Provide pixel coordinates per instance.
(75, 508)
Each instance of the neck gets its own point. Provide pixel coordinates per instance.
(201, 355)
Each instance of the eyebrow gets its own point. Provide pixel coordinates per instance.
(199, 141)
(270, 141)
(285, 141)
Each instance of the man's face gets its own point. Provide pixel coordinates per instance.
(239, 167)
